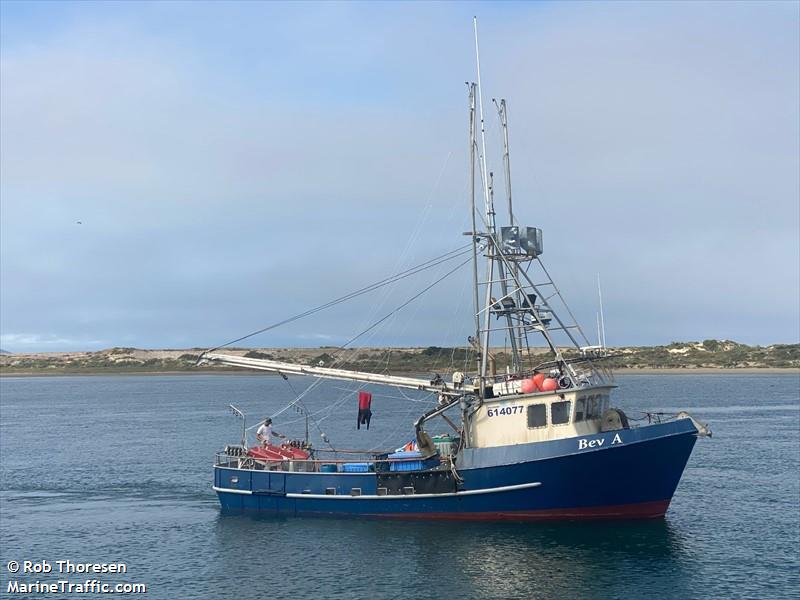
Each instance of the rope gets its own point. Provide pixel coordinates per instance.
(310, 415)
(407, 302)
(455, 473)
(382, 319)
(317, 382)
(392, 279)
(650, 417)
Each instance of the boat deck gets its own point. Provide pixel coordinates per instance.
(239, 458)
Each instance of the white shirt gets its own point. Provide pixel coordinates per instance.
(265, 431)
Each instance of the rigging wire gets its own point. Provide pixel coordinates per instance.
(308, 414)
(407, 302)
(400, 423)
(429, 396)
(391, 279)
(387, 353)
(388, 315)
(382, 300)
(317, 382)
(384, 282)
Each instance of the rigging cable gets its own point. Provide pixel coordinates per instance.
(308, 413)
(389, 314)
(317, 382)
(407, 302)
(391, 279)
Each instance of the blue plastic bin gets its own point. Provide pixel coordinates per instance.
(411, 454)
(406, 465)
(404, 461)
(356, 467)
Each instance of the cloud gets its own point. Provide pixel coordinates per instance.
(37, 342)
(226, 181)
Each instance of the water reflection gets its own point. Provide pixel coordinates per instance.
(474, 560)
(569, 559)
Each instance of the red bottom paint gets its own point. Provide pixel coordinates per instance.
(643, 510)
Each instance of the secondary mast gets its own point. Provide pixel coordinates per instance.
(502, 113)
(474, 232)
(489, 222)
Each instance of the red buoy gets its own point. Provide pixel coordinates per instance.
(549, 385)
(538, 379)
(528, 386)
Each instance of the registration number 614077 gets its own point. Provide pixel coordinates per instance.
(505, 410)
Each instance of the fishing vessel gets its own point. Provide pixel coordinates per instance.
(537, 440)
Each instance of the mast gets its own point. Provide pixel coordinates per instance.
(474, 232)
(509, 269)
(489, 209)
(501, 274)
(493, 251)
(515, 332)
(486, 197)
(502, 112)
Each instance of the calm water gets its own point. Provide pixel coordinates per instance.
(102, 469)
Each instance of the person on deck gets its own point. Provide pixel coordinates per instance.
(264, 433)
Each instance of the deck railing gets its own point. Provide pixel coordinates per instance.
(310, 465)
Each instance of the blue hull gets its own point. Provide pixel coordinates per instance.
(630, 473)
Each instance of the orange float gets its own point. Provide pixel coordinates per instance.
(549, 385)
(538, 379)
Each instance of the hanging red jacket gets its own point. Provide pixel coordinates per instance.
(364, 409)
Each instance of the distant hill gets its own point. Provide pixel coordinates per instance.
(714, 354)
(4, 351)
(724, 354)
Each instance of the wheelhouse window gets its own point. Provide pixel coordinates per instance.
(598, 406)
(560, 412)
(580, 409)
(537, 415)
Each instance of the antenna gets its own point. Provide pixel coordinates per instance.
(240, 414)
(482, 157)
(599, 338)
(302, 410)
(489, 218)
(602, 325)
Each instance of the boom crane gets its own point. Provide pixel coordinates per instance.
(437, 386)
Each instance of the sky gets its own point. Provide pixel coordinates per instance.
(180, 174)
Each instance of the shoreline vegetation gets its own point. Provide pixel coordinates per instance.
(709, 356)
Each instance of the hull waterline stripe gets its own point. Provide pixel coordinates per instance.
(505, 488)
(231, 490)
